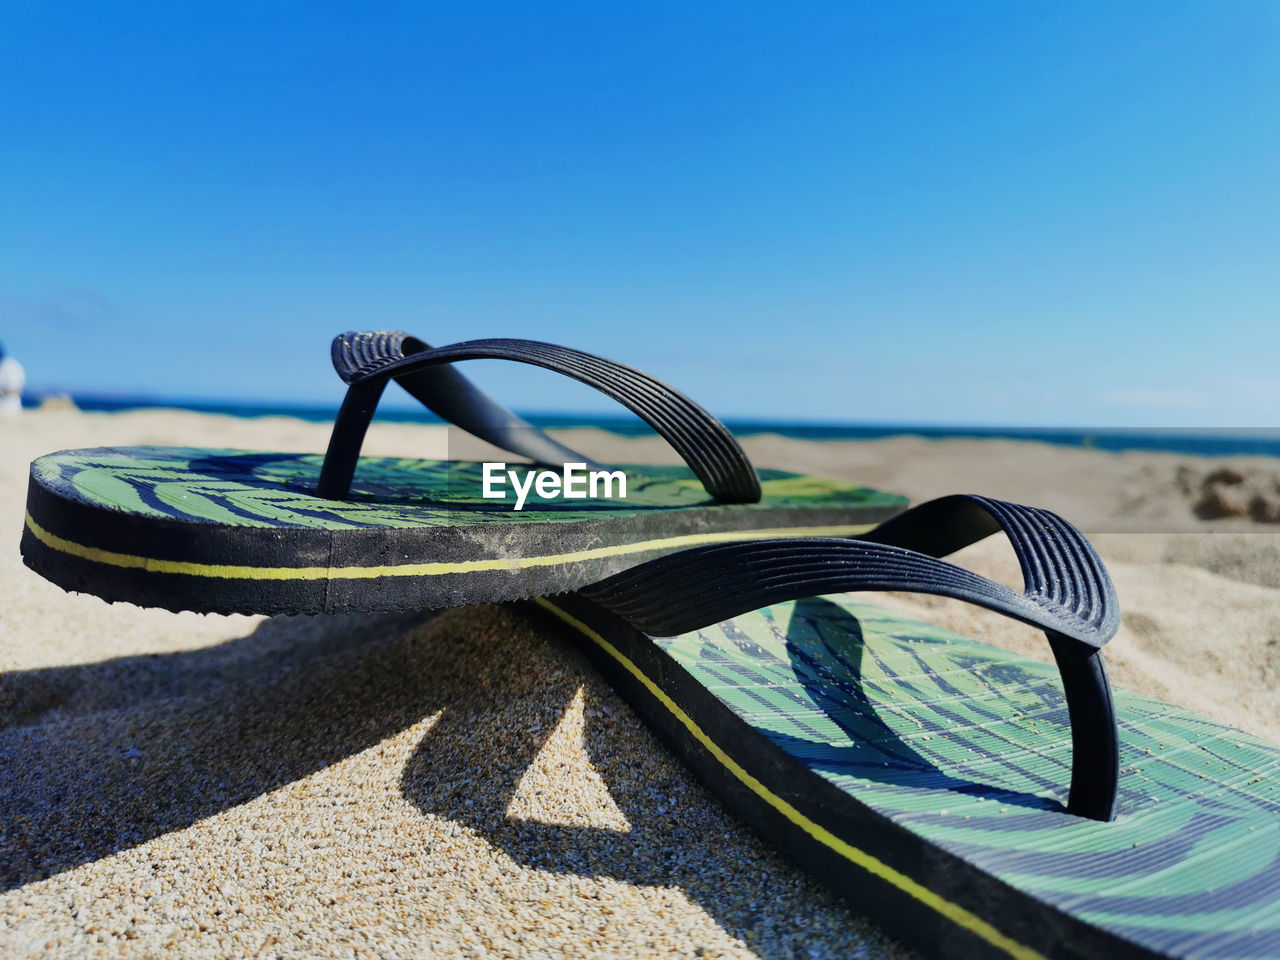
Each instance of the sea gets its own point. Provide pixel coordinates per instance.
(1220, 442)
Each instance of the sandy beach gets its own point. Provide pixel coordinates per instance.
(462, 783)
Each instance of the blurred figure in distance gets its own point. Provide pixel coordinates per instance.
(12, 379)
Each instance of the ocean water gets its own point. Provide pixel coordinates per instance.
(1197, 442)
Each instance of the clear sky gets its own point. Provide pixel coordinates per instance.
(1021, 213)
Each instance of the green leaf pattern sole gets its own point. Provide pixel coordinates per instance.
(243, 531)
(962, 750)
(244, 488)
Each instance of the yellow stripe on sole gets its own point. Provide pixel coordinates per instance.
(952, 911)
(236, 572)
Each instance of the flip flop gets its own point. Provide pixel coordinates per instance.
(925, 775)
(226, 531)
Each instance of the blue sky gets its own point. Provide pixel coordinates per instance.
(1020, 213)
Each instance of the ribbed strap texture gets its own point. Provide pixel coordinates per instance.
(1068, 590)
(1062, 574)
(358, 353)
(704, 443)
(451, 396)
(1068, 594)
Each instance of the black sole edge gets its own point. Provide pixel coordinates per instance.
(95, 551)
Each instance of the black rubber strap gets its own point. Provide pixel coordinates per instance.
(1068, 595)
(704, 443)
(449, 395)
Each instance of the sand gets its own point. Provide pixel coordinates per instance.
(462, 784)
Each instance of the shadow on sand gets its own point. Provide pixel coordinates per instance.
(100, 757)
(105, 756)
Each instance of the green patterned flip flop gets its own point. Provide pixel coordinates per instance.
(924, 775)
(258, 532)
